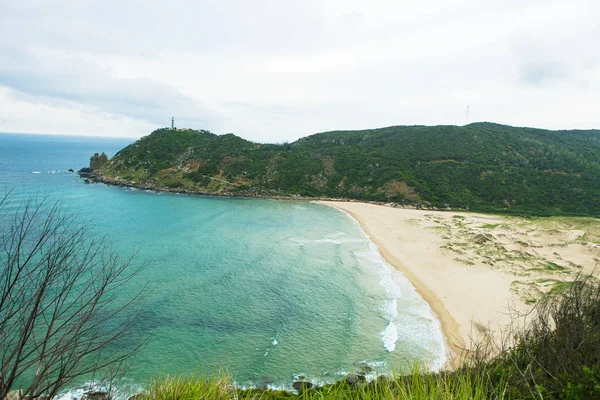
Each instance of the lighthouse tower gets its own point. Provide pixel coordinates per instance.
(173, 123)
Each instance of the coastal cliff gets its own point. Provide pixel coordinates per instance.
(480, 167)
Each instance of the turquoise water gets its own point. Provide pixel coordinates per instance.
(267, 289)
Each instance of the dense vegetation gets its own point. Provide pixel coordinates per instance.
(481, 166)
(97, 161)
(555, 356)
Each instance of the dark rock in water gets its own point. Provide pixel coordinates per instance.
(301, 385)
(95, 396)
(266, 381)
(85, 172)
(71, 170)
(354, 379)
(86, 181)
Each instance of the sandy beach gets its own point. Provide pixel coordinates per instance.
(477, 271)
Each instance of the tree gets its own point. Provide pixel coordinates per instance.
(63, 313)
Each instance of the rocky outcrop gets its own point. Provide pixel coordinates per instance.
(96, 395)
(355, 379)
(301, 386)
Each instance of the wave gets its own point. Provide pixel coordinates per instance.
(304, 242)
(330, 239)
(120, 391)
(36, 172)
(389, 337)
(397, 288)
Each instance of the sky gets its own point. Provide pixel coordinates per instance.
(275, 71)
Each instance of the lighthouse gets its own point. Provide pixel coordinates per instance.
(173, 123)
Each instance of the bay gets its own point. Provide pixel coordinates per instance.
(265, 289)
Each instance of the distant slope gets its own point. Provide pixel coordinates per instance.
(482, 166)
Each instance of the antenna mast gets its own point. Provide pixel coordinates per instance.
(467, 117)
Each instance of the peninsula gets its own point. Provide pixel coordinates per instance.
(481, 167)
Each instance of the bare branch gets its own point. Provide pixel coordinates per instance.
(63, 310)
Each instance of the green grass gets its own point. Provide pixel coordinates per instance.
(551, 266)
(490, 226)
(190, 388)
(559, 287)
(466, 384)
(591, 226)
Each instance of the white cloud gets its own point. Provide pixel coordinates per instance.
(275, 71)
(31, 115)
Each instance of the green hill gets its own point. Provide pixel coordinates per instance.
(481, 167)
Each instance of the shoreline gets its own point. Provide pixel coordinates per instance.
(453, 340)
(481, 274)
(89, 176)
(472, 303)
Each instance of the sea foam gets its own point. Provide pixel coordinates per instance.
(397, 287)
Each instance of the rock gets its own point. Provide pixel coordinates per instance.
(301, 386)
(14, 395)
(71, 170)
(354, 379)
(85, 172)
(95, 396)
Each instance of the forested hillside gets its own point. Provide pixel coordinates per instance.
(481, 166)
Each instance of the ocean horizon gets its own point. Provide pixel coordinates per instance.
(269, 290)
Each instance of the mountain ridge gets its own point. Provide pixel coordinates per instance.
(481, 167)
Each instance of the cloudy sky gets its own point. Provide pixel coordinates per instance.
(273, 71)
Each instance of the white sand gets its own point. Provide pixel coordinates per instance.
(474, 270)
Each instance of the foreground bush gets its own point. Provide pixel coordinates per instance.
(557, 355)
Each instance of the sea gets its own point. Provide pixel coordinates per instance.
(268, 290)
